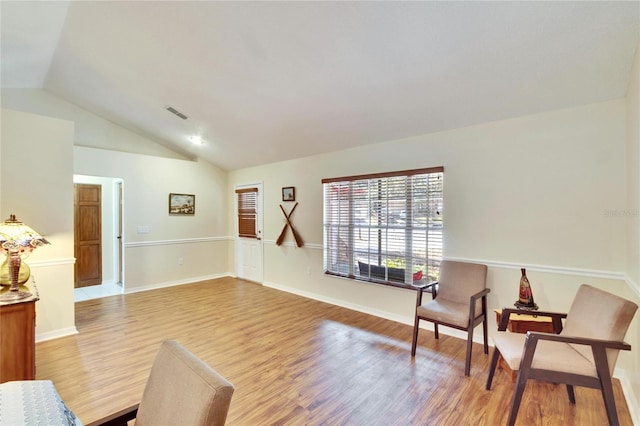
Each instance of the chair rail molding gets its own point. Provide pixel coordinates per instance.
(176, 241)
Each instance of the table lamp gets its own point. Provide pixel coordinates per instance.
(17, 239)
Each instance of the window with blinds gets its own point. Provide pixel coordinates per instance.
(384, 227)
(247, 212)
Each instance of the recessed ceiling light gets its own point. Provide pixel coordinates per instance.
(196, 140)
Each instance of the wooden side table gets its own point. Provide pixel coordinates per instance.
(521, 323)
(17, 337)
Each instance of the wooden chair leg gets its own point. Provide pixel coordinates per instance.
(607, 396)
(609, 401)
(602, 367)
(521, 382)
(572, 395)
(485, 334)
(415, 336)
(435, 330)
(492, 368)
(467, 363)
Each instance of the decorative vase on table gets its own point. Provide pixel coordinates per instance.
(525, 296)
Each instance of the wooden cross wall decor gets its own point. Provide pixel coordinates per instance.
(297, 237)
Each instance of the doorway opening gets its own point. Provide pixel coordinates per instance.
(98, 238)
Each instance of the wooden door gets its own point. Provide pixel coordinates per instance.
(88, 235)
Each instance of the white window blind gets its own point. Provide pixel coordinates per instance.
(247, 212)
(384, 227)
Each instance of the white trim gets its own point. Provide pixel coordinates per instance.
(337, 302)
(612, 275)
(171, 242)
(191, 280)
(633, 286)
(594, 273)
(292, 244)
(42, 337)
(403, 319)
(53, 262)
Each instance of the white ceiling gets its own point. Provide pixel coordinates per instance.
(268, 81)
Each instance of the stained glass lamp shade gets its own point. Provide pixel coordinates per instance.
(17, 239)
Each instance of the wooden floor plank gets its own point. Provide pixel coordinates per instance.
(293, 361)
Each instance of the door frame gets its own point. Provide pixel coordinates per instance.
(115, 215)
(259, 225)
(118, 226)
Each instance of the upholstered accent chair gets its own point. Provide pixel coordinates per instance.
(583, 353)
(181, 390)
(458, 300)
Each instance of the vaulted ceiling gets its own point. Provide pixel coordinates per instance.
(267, 81)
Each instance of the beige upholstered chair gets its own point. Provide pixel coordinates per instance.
(181, 390)
(584, 353)
(459, 300)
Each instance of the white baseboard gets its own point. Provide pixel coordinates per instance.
(41, 337)
(337, 302)
(403, 319)
(191, 280)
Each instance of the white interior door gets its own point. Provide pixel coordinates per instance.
(249, 243)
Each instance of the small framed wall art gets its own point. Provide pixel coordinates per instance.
(180, 204)
(288, 193)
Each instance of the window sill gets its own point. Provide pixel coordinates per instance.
(395, 284)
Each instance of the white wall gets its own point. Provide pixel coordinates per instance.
(39, 190)
(533, 192)
(632, 213)
(177, 249)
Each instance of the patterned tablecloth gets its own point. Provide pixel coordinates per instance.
(33, 402)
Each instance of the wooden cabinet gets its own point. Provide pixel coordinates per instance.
(17, 339)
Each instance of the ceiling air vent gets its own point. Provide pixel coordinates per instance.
(176, 112)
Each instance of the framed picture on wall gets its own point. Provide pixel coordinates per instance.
(182, 204)
(288, 193)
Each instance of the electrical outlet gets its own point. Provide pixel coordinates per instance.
(180, 261)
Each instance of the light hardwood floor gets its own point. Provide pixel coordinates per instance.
(293, 361)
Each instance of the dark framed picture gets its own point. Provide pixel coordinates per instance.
(288, 193)
(182, 204)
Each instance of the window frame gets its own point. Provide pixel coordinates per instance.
(341, 206)
(247, 212)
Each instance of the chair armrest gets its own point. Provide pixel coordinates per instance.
(424, 286)
(556, 318)
(479, 294)
(472, 303)
(119, 418)
(612, 344)
(598, 348)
